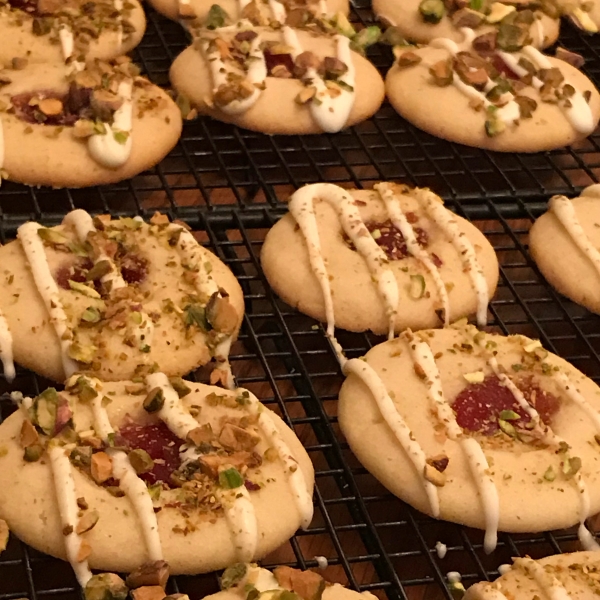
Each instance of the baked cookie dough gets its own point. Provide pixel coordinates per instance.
(424, 20)
(564, 244)
(66, 127)
(477, 429)
(292, 12)
(520, 101)
(167, 469)
(240, 579)
(379, 260)
(285, 81)
(59, 30)
(115, 298)
(572, 575)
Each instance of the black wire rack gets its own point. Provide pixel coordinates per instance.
(228, 184)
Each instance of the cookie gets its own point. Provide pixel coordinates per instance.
(171, 470)
(113, 297)
(571, 575)
(424, 20)
(519, 101)
(69, 130)
(478, 429)
(292, 12)
(284, 81)
(379, 260)
(238, 579)
(56, 30)
(564, 244)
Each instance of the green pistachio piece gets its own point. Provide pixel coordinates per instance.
(367, 37)
(511, 37)
(216, 17)
(180, 386)
(53, 237)
(456, 589)
(507, 428)
(79, 249)
(392, 37)
(130, 223)
(571, 466)
(509, 415)
(233, 575)
(344, 26)
(33, 453)
(194, 315)
(84, 289)
(432, 11)
(87, 522)
(154, 401)
(81, 353)
(99, 270)
(81, 456)
(154, 491)
(550, 475)
(230, 479)
(106, 586)
(46, 408)
(141, 461)
(91, 315)
(416, 289)
(494, 127)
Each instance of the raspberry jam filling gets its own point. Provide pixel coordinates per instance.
(160, 443)
(390, 239)
(482, 407)
(48, 107)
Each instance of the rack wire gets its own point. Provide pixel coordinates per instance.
(229, 184)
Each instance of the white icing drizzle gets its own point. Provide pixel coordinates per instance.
(295, 476)
(67, 43)
(137, 493)
(48, 290)
(104, 147)
(422, 355)
(577, 397)
(6, 351)
(135, 489)
(365, 372)
(173, 413)
(191, 254)
(579, 114)
(550, 585)
(399, 220)
(563, 210)
(119, 7)
(301, 206)
(66, 496)
(447, 223)
(220, 71)
(241, 518)
(331, 113)
(278, 11)
(83, 224)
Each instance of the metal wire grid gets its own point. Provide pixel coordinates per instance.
(218, 166)
(372, 540)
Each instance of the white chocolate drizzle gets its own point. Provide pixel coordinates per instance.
(48, 290)
(137, 493)
(192, 256)
(105, 148)
(399, 220)
(135, 489)
(365, 372)
(329, 112)
(563, 210)
(6, 351)
(551, 587)
(301, 206)
(66, 497)
(578, 111)
(445, 220)
(241, 518)
(119, 7)
(422, 356)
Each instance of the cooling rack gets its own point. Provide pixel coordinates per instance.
(226, 183)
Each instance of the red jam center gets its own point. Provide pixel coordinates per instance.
(134, 269)
(75, 271)
(160, 443)
(479, 405)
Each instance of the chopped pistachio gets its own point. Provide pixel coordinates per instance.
(84, 289)
(105, 586)
(367, 37)
(82, 353)
(230, 479)
(392, 37)
(52, 236)
(509, 415)
(155, 491)
(33, 453)
(571, 466)
(408, 59)
(499, 11)
(432, 11)
(216, 17)
(99, 270)
(511, 37)
(91, 315)
(150, 573)
(442, 73)
(81, 456)
(343, 25)
(29, 435)
(416, 289)
(583, 20)
(550, 475)
(180, 386)
(434, 476)
(507, 428)
(439, 462)
(233, 575)
(101, 467)
(475, 377)
(87, 522)
(194, 315)
(141, 461)
(154, 401)
(46, 408)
